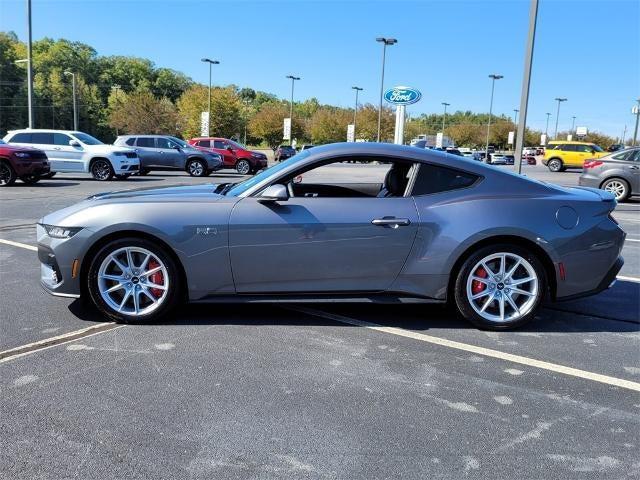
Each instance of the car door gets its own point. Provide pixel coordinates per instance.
(228, 157)
(169, 153)
(44, 141)
(146, 149)
(314, 244)
(633, 169)
(69, 158)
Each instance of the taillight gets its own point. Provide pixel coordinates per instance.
(592, 163)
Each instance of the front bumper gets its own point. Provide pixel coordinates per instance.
(122, 166)
(214, 164)
(38, 167)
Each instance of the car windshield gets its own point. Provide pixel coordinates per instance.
(182, 143)
(597, 148)
(2, 142)
(240, 188)
(236, 145)
(86, 139)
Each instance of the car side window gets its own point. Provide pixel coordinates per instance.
(42, 138)
(624, 155)
(203, 143)
(131, 141)
(635, 156)
(435, 179)
(21, 138)
(146, 142)
(218, 144)
(164, 143)
(61, 139)
(584, 148)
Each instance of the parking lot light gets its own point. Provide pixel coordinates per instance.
(444, 117)
(636, 109)
(559, 100)
(493, 78)
(573, 124)
(293, 80)
(355, 110)
(546, 129)
(75, 100)
(385, 42)
(210, 62)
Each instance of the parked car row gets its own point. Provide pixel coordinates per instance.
(77, 152)
(617, 172)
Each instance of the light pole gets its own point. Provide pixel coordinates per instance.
(636, 110)
(444, 117)
(559, 100)
(293, 81)
(546, 129)
(515, 116)
(385, 42)
(493, 78)
(116, 88)
(29, 66)
(573, 123)
(210, 62)
(75, 101)
(355, 110)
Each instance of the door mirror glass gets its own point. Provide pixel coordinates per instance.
(274, 193)
(74, 143)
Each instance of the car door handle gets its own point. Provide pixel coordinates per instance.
(634, 167)
(56, 148)
(392, 222)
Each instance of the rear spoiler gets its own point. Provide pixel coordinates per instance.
(604, 196)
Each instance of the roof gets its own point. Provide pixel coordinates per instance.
(571, 142)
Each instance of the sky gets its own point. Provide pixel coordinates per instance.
(586, 50)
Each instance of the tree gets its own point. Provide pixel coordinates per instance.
(142, 112)
(267, 124)
(329, 125)
(171, 84)
(367, 123)
(226, 111)
(467, 134)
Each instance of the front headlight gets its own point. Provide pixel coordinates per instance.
(60, 232)
(22, 154)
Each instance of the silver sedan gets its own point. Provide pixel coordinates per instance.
(399, 225)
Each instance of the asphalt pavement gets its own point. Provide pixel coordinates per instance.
(340, 391)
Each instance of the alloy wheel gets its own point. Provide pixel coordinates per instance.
(101, 170)
(133, 281)
(616, 187)
(555, 165)
(196, 168)
(502, 287)
(5, 174)
(243, 167)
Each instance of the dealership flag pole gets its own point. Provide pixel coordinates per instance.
(526, 81)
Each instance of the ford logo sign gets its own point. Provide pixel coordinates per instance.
(402, 95)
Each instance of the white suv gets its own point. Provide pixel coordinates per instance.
(70, 151)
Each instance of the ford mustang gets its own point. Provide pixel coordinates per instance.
(399, 225)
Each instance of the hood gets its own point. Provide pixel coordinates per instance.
(107, 148)
(172, 191)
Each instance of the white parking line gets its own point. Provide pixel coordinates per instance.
(632, 240)
(487, 352)
(18, 244)
(628, 279)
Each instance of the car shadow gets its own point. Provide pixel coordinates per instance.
(46, 184)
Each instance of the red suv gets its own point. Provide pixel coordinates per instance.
(27, 164)
(233, 154)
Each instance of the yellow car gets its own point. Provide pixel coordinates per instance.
(560, 155)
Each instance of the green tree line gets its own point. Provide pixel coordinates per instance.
(120, 95)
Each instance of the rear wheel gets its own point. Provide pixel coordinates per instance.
(101, 170)
(555, 165)
(7, 174)
(196, 168)
(500, 287)
(617, 186)
(30, 179)
(133, 280)
(243, 167)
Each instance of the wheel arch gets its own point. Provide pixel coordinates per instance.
(93, 160)
(541, 254)
(611, 177)
(102, 241)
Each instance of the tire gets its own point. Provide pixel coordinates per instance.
(7, 174)
(49, 175)
(555, 165)
(197, 168)
(495, 289)
(619, 187)
(134, 294)
(101, 170)
(143, 172)
(30, 179)
(243, 167)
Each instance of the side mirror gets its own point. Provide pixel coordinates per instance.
(274, 193)
(74, 143)
(230, 149)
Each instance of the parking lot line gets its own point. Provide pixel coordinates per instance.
(18, 244)
(487, 352)
(628, 279)
(26, 349)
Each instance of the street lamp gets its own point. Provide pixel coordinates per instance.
(210, 62)
(29, 66)
(385, 42)
(493, 78)
(444, 117)
(75, 101)
(355, 110)
(293, 81)
(116, 88)
(573, 123)
(559, 100)
(515, 116)
(636, 111)
(546, 129)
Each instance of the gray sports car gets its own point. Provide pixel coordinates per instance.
(399, 225)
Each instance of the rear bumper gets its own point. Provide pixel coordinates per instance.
(607, 281)
(587, 180)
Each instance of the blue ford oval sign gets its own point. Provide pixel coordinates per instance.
(402, 95)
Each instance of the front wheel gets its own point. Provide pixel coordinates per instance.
(617, 186)
(143, 171)
(101, 170)
(30, 179)
(124, 176)
(243, 167)
(7, 174)
(555, 165)
(500, 287)
(133, 280)
(196, 168)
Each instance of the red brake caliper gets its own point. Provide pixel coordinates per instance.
(157, 278)
(476, 285)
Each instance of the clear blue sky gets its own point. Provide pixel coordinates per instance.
(587, 51)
